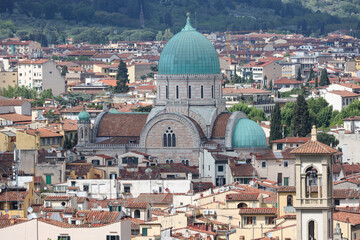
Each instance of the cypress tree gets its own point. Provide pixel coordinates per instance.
(275, 125)
(122, 78)
(311, 75)
(300, 123)
(298, 76)
(316, 82)
(324, 79)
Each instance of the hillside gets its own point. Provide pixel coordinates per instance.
(98, 21)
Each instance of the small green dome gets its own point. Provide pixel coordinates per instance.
(189, 52)
(113, 110)
(84, 116)
(248, 134)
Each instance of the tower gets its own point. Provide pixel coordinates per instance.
(84, 128)
(314, 190)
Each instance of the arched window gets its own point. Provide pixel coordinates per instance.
(81, 133)
(212, 91)
(289, 200)
(242, 205)
(137, 213)
(86, 133)
(177, 92)
(311, 181)
(169, 138)
(189, 92)
(183, 162)
(187, 162)
(171, 161)
(167, 161)
(167, 92)
(311, 230)
(202, 92)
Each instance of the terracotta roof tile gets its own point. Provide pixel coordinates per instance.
(262, 211)
(220, 125)
(12, 196)
(11, 102)
(344, 93)
(128, 125)
(57, 198)
(16, 117)
(314, 147)
(353, 218)
(243, 197)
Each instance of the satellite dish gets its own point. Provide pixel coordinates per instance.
(132, 170)
(30, 210)
(148, 171)
(3, 186)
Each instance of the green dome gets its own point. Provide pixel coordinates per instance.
(189, 52)
(113, 110)
(248, 134)
(84, 116)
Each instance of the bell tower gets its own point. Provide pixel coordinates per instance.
(314, 190)
(84, 128)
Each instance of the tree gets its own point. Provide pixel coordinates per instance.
(275, 125)
(271, 85)
(250, 80)
(167, 35)
(298, 76)
(265, 82)
(253, 113)
(300, 123)
(316, 81)
(143, 109)
(327, 139)
(64, 70)
(311, 75)
(122, 78)
(286, 117)
(159, 36)
(324, 78)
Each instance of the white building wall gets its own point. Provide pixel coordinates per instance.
(334, 100)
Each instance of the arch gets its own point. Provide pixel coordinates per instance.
(235, 116)
(187, 162)
(242, 205)
(137, 213)
(86, 133)
(171, 161)
(289, 200)
(311, 229)
(170, 116)
(167, 161)
(183, 162)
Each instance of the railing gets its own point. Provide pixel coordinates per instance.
(289, 209)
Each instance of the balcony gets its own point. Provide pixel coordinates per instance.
(289, 209)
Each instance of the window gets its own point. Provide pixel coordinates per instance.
(112, 237)
(279, 146)
(86, 188)
(144, 232)
(177, 92)
(95, 162)
(212, 91)
(289, 200)
(202, 92)
(169, 138)
(242, 205)
(124, 160)
(337, 202)
(110, 163)
(42, 141)
(113, 176)
(126, 189)
(286, 181)
(63, 237)
(279, 179)
(137, 213)
(263, 164)
(167, 92)
(269, 220)
(249, 220)
(48, 141)
(286, 163)
(220, 168)
(110, 208)
(189, 92)
(48, 179)
(73, 183)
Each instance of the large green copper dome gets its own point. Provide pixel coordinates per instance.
(248, 134)
(189, 52)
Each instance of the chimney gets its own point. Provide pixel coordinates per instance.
(313, 134)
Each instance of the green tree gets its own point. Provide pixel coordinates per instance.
(316, 81)
(167, 35)
(159, 36)
(55, 57)
(311, 75)
(64, 70)
(298, 75)
(265, 82)
(327, 139)
(286, 117)
(275, 125)
(250, 79)
(122, 78)
(252, 112)
(324, 78)
(143, 109)
(300, 122)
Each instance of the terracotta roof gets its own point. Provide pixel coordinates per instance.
(158, 198)
(140, 205)
(11, 102)
(242, 170)
(346, 194)
(16, 117)
(99, 217)
(262, 211)
(292, 140)
(128, 125)
(353, 218)
(287, 189)
(220, 125)
(43, 132)
(349, 169)
(344, 93)
(287, 81)
(57, 198)
(12, 196)
(243, 197)
(314, 147)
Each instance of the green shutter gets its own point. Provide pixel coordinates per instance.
(119, 208)
(107, 237)
(144, 232)
(110, 208)
(117, 237)
(48, 179)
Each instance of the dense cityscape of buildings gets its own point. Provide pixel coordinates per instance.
(99, 167)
